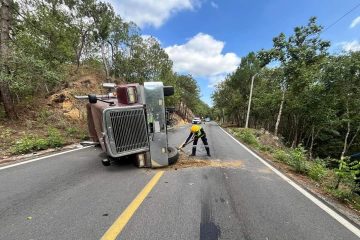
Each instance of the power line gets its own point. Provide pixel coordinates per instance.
(339, 19)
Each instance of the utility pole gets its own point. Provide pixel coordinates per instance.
(250, 97)
(4, 55)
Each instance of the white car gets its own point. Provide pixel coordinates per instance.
(196, 120)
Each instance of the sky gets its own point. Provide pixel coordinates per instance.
(208, 38)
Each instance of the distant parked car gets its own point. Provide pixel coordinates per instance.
(196, 120)
(207, 119)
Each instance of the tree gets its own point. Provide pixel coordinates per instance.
(308, 98)
(300, 55)
(342, 78)
(4, 54)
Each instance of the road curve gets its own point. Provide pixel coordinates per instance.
(72, 196)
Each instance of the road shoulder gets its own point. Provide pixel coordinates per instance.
(349, 214)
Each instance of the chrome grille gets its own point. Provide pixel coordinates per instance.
(127, 130)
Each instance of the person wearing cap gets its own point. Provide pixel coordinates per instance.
(198, 132)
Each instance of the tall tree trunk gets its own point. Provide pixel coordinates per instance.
(4, 55)
(353, 138)
(112, 57)
(250, 98)
(104, 59)
(279, 114)
(312, 141)
(347, 132)
(79, 51)
(295, 140)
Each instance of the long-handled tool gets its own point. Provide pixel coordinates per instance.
(183, 144)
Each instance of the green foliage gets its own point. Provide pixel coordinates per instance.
(31, 143)
(266, 148)
(54, 138)
(344, 194)
(28, 144)
(317, 170)
(75, 132)
(319, 93)
(71, 131)
(247, 136)
(282, 156)
(298, 159)
(50, 37)
(346, 173)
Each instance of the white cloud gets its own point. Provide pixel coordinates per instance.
(214, 5)
(151, 12)
(214, 80)
(352, 46)
(202, 56)
(355, 22)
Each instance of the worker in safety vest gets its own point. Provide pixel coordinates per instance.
(198, 132)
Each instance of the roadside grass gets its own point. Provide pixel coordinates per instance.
(43, 129)
(31, 143)
(338, 182)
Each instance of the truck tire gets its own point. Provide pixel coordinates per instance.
(173, 155)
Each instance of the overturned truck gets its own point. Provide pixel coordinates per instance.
(132, 122)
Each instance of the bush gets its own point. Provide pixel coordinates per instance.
(55, 139)
(266, 148)
(34, 143)
(343, 194)
(330, 179)
(28, 144)
(72, 131)
(298, 159)
(317, 170)
(247, 136)
(282, 156)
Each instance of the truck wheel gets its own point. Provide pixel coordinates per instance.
(173, 155)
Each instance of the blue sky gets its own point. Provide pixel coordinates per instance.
(208, 38)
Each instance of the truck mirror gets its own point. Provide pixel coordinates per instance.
(92, 98)
(168, 91)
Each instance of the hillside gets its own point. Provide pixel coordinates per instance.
(57, 119)
(51, 121)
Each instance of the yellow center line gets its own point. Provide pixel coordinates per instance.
(126, 215)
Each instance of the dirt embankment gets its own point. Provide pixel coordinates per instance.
(56, 119)
(53, 120)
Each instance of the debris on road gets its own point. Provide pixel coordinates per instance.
(196, 162)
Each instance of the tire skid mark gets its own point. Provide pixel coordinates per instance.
(208, 229)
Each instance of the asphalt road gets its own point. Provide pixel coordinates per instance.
(72, 196)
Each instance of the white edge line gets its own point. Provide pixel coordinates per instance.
(319, 203)
(40, 158)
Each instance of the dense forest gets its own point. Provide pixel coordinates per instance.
(43, 41)
(302, 93)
